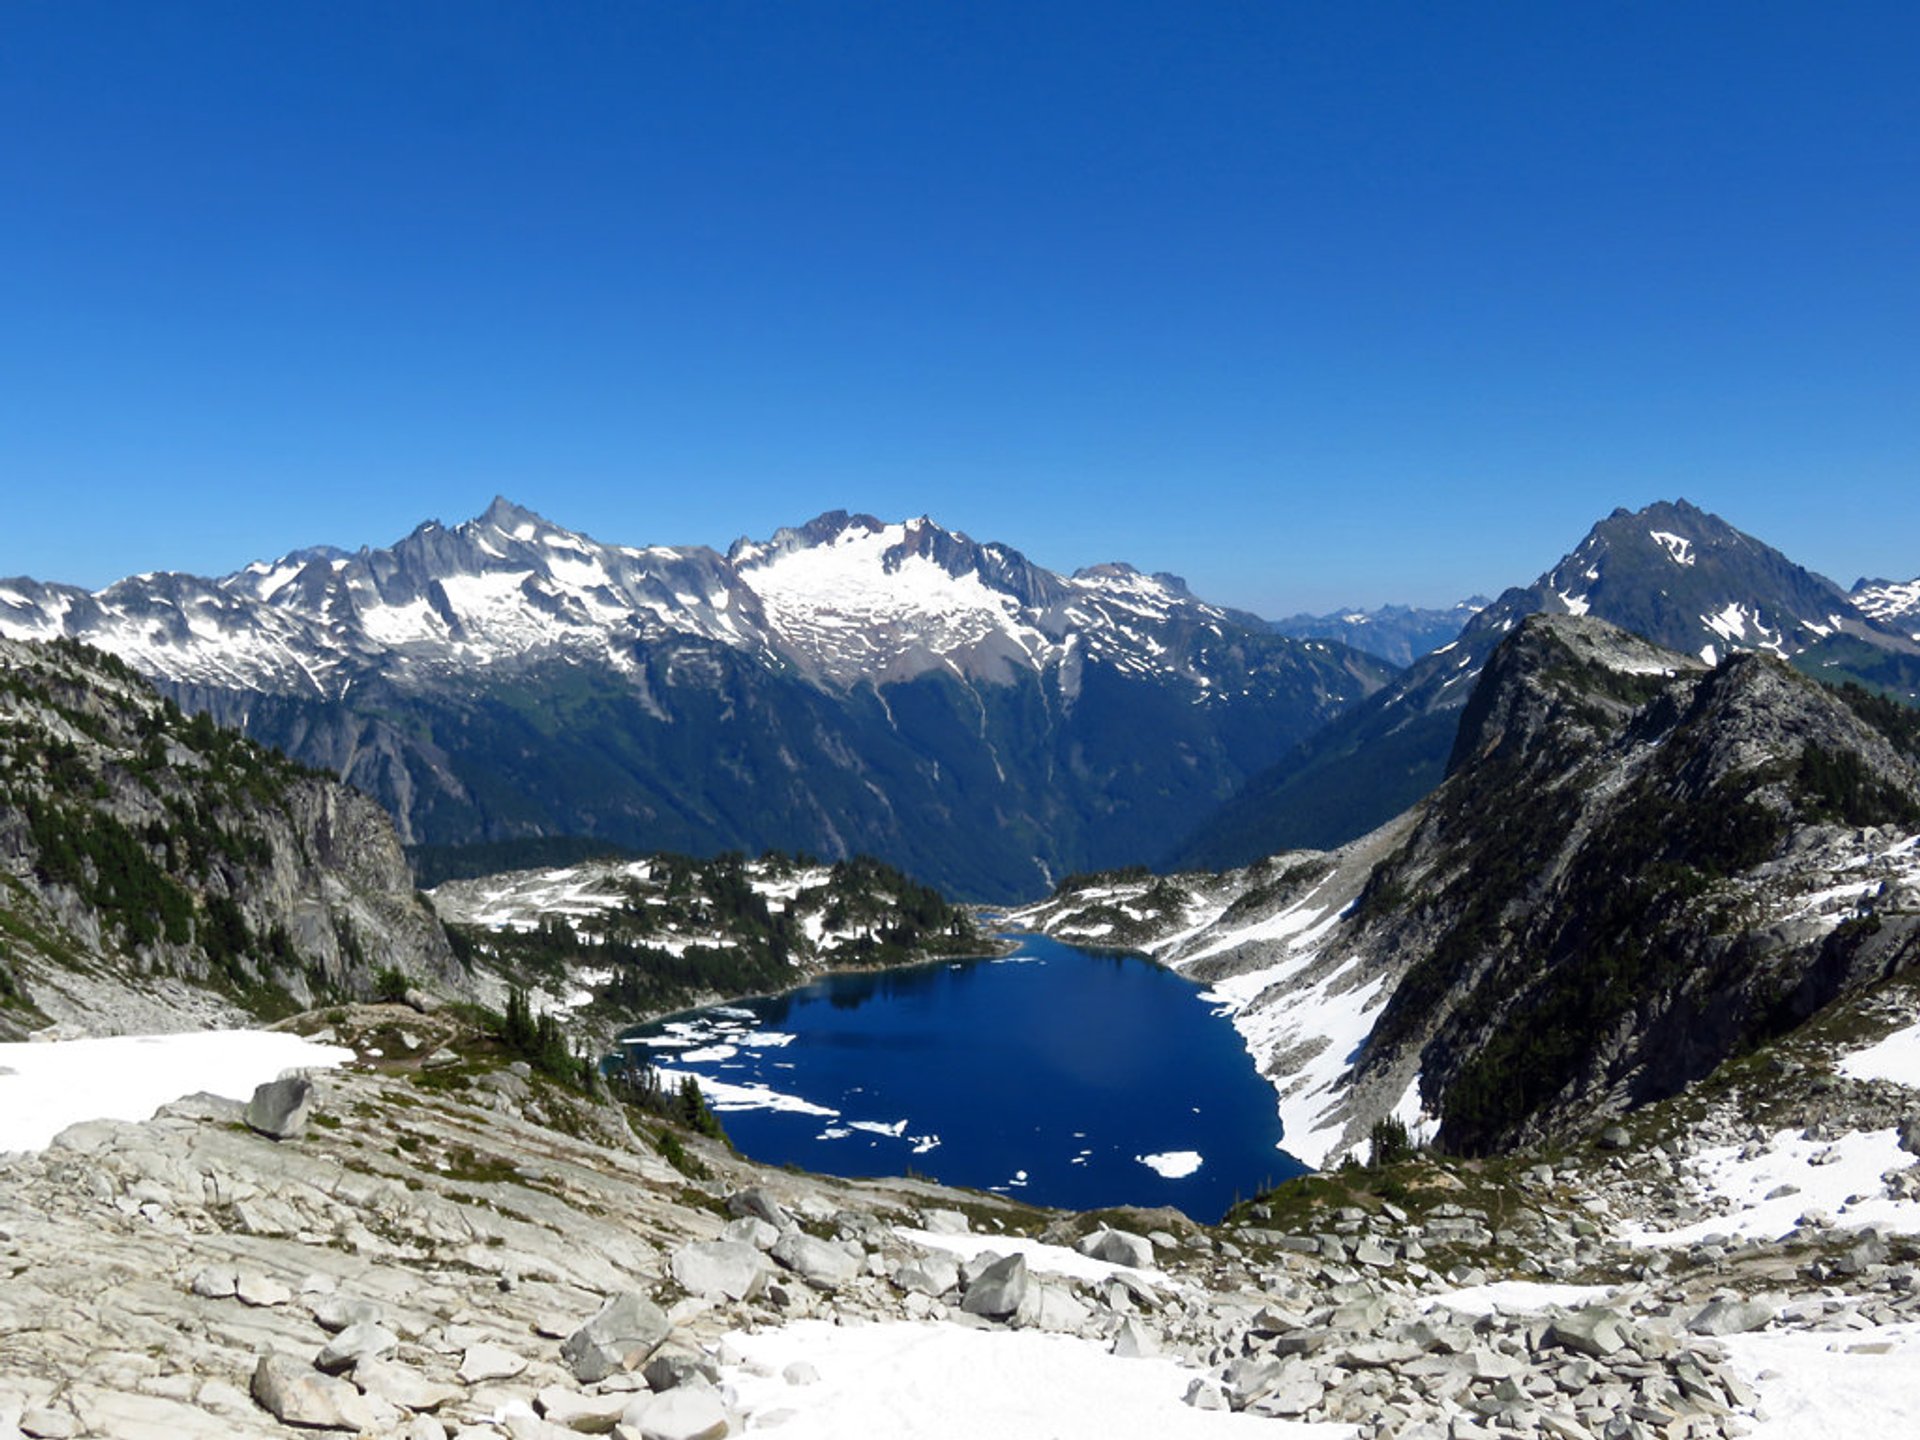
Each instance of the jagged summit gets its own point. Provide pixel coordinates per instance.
(848, 684)
(1671, 573)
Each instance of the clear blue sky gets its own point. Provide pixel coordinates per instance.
(1315, 304)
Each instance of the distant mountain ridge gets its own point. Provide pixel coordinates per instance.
(1400, 634)
(847, 685)
(1671, 573)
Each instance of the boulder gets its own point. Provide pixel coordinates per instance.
(352, 1345)
(751, 1230)
(1595, 1331)
(1205, 1394)
(672, 1366)
(261, 1290)
(294, 1393)
(1731, 1317)
(1117, 1247)
(998, 1290)
(625, 1331)
(484, 1362)
(216, 1282)
(689, 1413)
(930, 1275)
(715, 1269)
(400, 1385)
(758, 1203)
(338, 1312)
(280, 1108)
(816, 1261)
(588, 1414)
(1051, 1307)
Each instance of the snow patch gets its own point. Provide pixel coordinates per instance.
(940, 1382)
(1679, 549)
(46, 1087)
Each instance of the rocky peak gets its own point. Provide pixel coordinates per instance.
(1552, 669)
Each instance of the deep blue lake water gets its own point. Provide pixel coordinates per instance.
(1057, 1075)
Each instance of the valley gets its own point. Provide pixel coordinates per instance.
(1601, 1049)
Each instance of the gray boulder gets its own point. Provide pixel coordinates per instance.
(930, 1275)
(1731, 1317)
(815, 1261)
(280, 1108)
(998, 1290)
(399, 1385)
(483, 1362)
(689, 1413)
(338, 1312)
(1117, 1247)
(758, 1203)
(354, 1344)
(294, 1393)
(751, 1230)
(672, 1366)
(716, 1268)
(1595, 1331)
(1909, 1134)
(627, 1329)
(588, 1414)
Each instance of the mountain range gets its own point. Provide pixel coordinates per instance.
(1671, 573)
(1400, 634)
(845, 686)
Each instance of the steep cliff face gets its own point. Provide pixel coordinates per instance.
(156, 869)
(1636, 867)
(1631, 873)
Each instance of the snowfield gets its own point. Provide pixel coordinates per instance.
(939, 1382)
(45, 1087)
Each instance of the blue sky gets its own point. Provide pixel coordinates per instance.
(1314, 304)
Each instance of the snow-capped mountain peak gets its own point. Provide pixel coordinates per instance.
(844, 599)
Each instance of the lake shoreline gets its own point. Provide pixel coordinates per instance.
(1070, 1077)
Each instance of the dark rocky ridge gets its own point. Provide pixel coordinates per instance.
(1372, 763)
(1590, 891)
(1636, 868)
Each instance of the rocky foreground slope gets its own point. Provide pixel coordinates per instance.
(438, 1243)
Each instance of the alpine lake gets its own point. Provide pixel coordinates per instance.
(1064, 1077)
